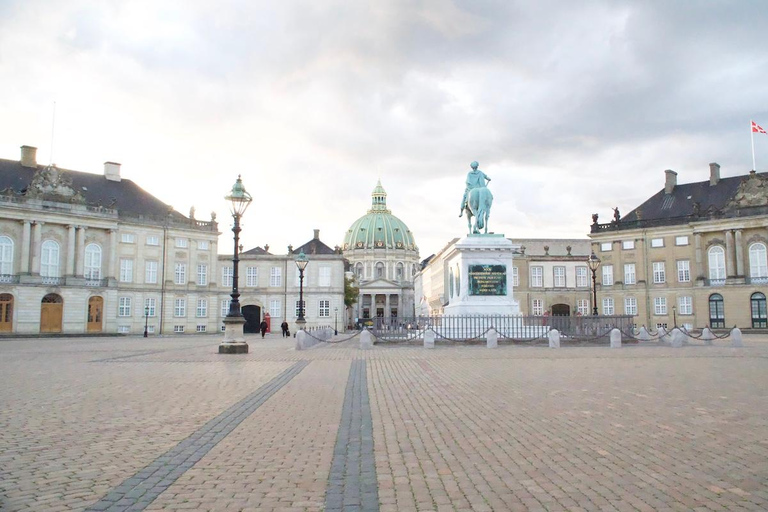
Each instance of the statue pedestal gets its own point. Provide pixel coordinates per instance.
(479, 269)
(234, 339)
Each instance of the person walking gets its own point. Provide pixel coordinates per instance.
(284, 327)
(263, 327)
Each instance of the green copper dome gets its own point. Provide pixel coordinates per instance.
(379, 229)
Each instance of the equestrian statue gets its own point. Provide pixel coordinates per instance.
(477, 200)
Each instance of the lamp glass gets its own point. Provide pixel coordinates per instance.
(238, 199)
(593, 261)
(302, 260)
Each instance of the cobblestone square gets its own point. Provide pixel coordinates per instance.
(169, 424)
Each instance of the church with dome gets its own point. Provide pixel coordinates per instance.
(384, 257)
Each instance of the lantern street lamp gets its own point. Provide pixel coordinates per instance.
(146, 319)
(301, 264)
(674, 315)
(234, 340)
(335, 321)
(594, 263)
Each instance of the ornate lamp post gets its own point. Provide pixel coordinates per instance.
(301, 263)
(674, 315)
(146, 319)
(234, 340)
(335, 321)
(594, 263)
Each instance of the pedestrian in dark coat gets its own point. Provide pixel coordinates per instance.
(263, 327)
(284, 327)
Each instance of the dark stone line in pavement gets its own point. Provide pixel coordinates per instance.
(139, 491)
(352, 484)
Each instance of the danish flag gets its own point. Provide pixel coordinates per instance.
(756, 128)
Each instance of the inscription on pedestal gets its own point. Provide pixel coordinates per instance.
(487, 280)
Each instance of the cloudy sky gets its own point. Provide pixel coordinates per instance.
(571, 107)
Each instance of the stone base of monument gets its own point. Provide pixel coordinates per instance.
(234, 339)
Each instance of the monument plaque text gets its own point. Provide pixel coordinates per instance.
(487, 280)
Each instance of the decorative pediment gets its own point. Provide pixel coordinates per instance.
(753, 191)
(50, 183)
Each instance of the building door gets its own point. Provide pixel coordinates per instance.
(252, 316)
(716, 311)
(561, 310)
(51, 312)
(6, 312)
(759, 311)
(95, 309)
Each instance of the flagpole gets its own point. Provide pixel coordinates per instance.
(752, 133)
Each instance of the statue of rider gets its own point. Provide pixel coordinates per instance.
(475, 179)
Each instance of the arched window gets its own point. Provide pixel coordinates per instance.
(6, 256)
(359, 270)
(49, 261)
(759, 310)
(399, 273)
(758, 266)
(92, 261)
(716, 311)
(716, 263)
(380, 270)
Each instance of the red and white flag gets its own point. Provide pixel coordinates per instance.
(756, 128)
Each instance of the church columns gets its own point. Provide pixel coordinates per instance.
(70, 270)
(699, 265)
(37, 235)
(25, 246)
(739, 254)
(387, 309)
(729, 263)
(80, 258)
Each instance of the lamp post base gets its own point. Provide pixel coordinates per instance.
(300, 324)
(234, 340)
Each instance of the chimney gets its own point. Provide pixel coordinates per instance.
(714, 174)
(29, 156)
(317, 234)
(670, 181)
(112, 171)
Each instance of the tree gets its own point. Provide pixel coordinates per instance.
(351, 292)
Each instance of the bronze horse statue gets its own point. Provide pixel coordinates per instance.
(478, 208)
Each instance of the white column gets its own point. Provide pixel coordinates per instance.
(80, 258)
(37, 235)
(739, 254)
(112, 253)
(387, 310)
(360, 306)
(25, 246)
(70, 251)
(729, 263)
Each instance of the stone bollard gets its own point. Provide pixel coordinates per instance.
(677, 338)
(366, 340)
(663, 337)
(644, 335)
(736, 340)
(301, 338)
(707, 335)
(492, 340)
(429, 339)
(554, 338)
(615, 338)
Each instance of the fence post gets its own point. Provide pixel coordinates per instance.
(644, 335)
(429, 338)
(707, 335)
(615, 338)
(736, 340)
(554, 338)
(678, 338)
(492, 341)
(366, 340)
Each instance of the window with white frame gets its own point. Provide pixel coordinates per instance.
(608, 306)
(151, 329)
(275, 308)
(92, 261)
(202, 328)
(178, 328)
(180, 274)
(630, 306)
(227, 276)
(180, 307)
(399, 273)
(6, 255)
(660, 305)
(124, 306)
(324, 308)
(126, 270)
(324, 274)
(582, 279)
(681, 240)
(252, 276)
(202, 245)
(607, 275)
(657, 242)
(758, 266)
(182, 243)
(128, 238)
(152, 240)
(685, 305)
(582, 306)
(150, 272)
(716, 257)
(627, 244)
(629, 273)
(515, 277)
(558, 274)
(224, 307)
(304, 304)
(537, 277)
(49, 259)
(275, 276)
(123, 329)
(683, 271)
(606, 246)
(659, 272)
(149, 306)
(202, 274)
(380, 269)
(661, 324)
(537, 307)
(202, 308)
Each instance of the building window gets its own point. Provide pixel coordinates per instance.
(275, 276)
(359, 271)
(606, 246)
(150, 272)
(660, 305)
(324, 278)
(537, 307)
(608, 306)
(515, 277)
(681, 240)
(92, 261)
(607, 275)
(716, 256)
(659, 273)
(582, 307)
(202, 245)
(716, 311)
(202, 308)
(123, 329)
(628, 244)
(149, 306)
(124, 306)
(629, 273)
(49, 261)
(758, 267)
(683, 271)
(181, 242)
(582, 281)
(202, 275)
(178, 329)
(379, 270)
(150, 329)
(127, 238)
(6, 255)
(180, 275)
(275, 310)
(398, 274)
(201, 328)
(324, 308)
(153, 240)
(537, 274)
(630, 306)
(252, 276)
(227, 276)
(126, 270)
(657, 242)
(559, 276)
(224, 307)
(303, 303)
(659, 325)
(180, 307)
(759, 311)
(685, 305)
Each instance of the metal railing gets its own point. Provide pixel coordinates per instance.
(9, 279)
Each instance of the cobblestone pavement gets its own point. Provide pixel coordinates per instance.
(455, 428)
